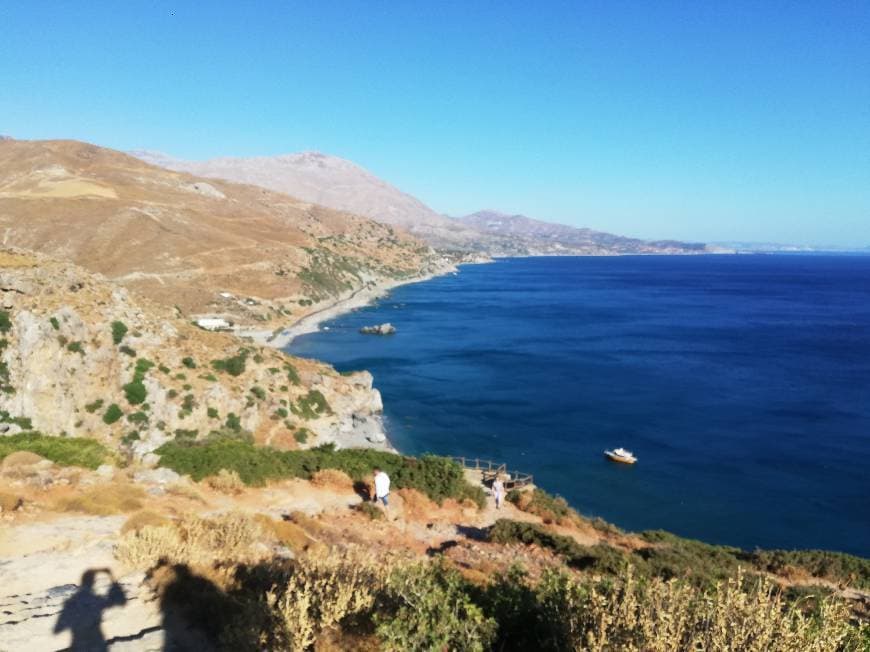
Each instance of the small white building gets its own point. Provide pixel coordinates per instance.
(214, 323)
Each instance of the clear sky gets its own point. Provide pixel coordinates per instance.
(694, 120)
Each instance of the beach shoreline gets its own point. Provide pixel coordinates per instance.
(358, 298)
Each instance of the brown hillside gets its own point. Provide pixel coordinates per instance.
(180, 239)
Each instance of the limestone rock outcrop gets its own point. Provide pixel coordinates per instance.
(80, 356)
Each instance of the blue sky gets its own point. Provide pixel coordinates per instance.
(693, 120)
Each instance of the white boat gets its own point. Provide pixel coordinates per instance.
(621, 455)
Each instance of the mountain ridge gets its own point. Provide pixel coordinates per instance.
(345, 185)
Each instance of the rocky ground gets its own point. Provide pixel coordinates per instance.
(48, 548)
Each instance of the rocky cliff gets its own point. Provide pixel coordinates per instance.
(82, 357)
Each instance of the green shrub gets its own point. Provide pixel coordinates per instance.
(112, 414)
(189, 435)
(5, 322)
(164, 369)
(142, 367)
(547, 506)
(301, 435)
(93, 407)
(172, 393)
(259, 392)
(281, 413)
(188, 362)
(126, 350)
(311, 406)
(429, 607)
(135, 392)
(119, 330)
(189, 403)
(137, 417)
(701, 563)
(66, 451)
(600, 558)
(833, 566)
(23, 422)
(369, 509)
(130, 437)
(233, 422)
(75, 347)
(212, 413)
(234, 366)
(209, 377)
(55, 324)
(437, 477)
(292, 374)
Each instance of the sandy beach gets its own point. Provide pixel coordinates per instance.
(358, 298)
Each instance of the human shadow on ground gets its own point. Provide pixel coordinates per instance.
(200, 616)
(82, 613)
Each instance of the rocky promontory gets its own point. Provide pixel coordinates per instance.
(80, 356)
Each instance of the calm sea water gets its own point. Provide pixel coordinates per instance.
(742, 383)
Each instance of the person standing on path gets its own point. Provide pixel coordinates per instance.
(498, 491)
(382, 487)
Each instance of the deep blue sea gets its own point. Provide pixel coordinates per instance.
(742, 383)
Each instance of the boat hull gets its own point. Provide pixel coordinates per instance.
(620, 460)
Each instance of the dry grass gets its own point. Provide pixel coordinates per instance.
(660, 616)
(324, 589)
(286, 533)
(20, 459)
(417, 506)
(226, 482)
(192, 540)
(332, 479)
(103, 500)
(142, 519)
(184, 490)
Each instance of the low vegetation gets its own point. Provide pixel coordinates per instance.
(119, 330)
(234, 366)
(370, 602)
(311, 406)
(66, 451)
(668, 556)
(437, 477)
(120, 498)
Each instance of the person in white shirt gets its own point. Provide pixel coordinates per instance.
(498, 491)
(382, 487)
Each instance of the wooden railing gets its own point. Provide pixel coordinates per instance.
(489, 470)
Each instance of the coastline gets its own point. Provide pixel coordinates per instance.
(358, 298)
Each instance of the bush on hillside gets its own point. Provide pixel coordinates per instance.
(135, 392)
(234, 366)
(311, 406)
(834, 566)
(437, 477)
(119, 330)
(5, 322)
(112, 414)
(66, 451)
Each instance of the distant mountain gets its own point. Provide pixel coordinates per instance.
(521, 235)
(344, 185)
(187, 242)
(333, 182)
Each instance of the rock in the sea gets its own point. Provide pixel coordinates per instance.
(382, 329)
